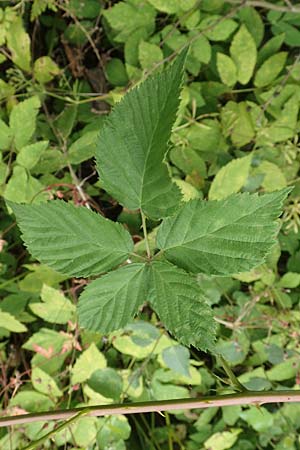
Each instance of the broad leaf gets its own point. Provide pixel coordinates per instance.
(107, 382)
(10, 323)
(177, 358)
(243, 52)
(23, 188)
(83, 148)
(18, 42)
(270, 69)
(45, 69)
(222, 237)
(5, 136)
(178, 300)
(71, 240)
(273, 177)
(30, 155)
(270, 48)
(149, 54)
(125, 18)
(133, 143)
(55, 307)
(166, 6)
(22, 121)
(44, 383)
(51, 349)
(111, 301)
(222, 440)
(227, 69)
(238, 123)
(215, 29)
(89, 361)
(254, 23)
(230, 178)
(285, 126)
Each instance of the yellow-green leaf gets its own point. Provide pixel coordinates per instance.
(10, 323)
(44, 383)
(270, 69)
(227, 69)
(55, 307)
(89, 361)
(231, 178)
(18, 42)
(243, 52)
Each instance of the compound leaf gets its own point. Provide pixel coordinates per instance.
(222, 237)
(133, 143)
(178, 300)
(111, 301)
(74, 241)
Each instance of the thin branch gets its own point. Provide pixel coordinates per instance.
(146, 235)
(267, 5)
(245, 398)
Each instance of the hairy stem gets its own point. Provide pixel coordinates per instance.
(242, 398)
(145, 235)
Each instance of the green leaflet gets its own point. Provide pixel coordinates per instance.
(54, 308)
(230, 178)
(18, 42)
(270, 69)
(243, 52)
(227, 69)
(30, 155)
(10, 323)
(133, 143)
(5, 136)
(222, 237)
(178, 300)
(71, 240)
(111, 301)
(24, 113)
(89, 361)
(177, 358)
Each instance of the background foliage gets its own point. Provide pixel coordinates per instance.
(63, 65)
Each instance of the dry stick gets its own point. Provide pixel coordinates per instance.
(255, 398)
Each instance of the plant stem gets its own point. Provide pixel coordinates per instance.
(145, 235)
(235, 382)
(255, 398)
(68, 422)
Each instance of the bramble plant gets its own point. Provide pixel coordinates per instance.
(213, 237)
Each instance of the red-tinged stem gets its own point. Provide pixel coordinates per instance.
(243, 398)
